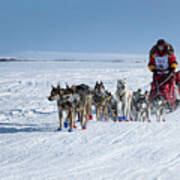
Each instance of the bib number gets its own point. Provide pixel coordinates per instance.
(162, 62)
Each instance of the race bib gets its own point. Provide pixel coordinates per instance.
(162, 62)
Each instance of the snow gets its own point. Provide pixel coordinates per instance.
(31, 148)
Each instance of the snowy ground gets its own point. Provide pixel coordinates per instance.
(31, 148)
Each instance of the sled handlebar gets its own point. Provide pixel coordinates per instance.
(167, 79)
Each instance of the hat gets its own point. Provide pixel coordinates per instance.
(161, 42)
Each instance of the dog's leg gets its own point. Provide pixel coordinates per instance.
(81, 117)
(163, 112)
(71, 120)
(114, 114)
(60, 119)
(145, 115)
(142, 116)
(119, 110)
(86, 119)
(129, 111)
(66, 122)
(98, 113)
(89, 107)
(74, 120)
(139, 115)
(158, 114)
(105, 112)
(126, 107)
(148, 113)
(133, 111)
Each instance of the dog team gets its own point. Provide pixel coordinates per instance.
(76, 102)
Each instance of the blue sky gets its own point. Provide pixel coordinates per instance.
(108, 26)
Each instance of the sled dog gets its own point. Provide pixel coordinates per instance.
(159, 107)
(141, 107)
(124, 99)
(100, 100)
(64, 100)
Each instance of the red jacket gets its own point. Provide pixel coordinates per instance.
(162, 63)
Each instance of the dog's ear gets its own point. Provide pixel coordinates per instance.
(139, 90)
(101, 83)
(52, 87)
(67, 86)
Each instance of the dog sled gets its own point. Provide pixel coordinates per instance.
(168, 87)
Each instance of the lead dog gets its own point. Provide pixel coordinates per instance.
(65, 103)
(124, 99)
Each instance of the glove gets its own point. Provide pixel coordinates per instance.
(154, 72)
(171, 70)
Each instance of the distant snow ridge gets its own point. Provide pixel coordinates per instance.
(50, 55)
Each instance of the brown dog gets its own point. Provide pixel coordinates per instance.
(83, 107)
(64, 103)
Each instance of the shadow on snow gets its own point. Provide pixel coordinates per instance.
(14, 128)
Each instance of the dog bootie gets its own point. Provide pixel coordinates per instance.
(106, 118)
(124, 118)
(70, 130)
(131, 119)
(78, 120)
(75, 127)
(120, 118)
(84, 127)
(90, 117)
(66, 124)
(59, 129)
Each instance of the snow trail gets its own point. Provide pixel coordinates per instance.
(31, 148)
